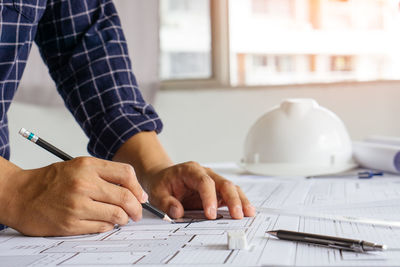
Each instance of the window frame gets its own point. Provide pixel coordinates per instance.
(220, 61)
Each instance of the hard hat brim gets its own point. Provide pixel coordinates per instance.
(286, 169)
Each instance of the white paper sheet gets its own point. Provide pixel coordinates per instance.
(153, 242)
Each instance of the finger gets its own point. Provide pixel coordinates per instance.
(197, 179)
(117, 173)
(248, 209)
(231, 197)
(91, 227)
(98, 211)
(118, 196)
(229, 194)
(170, 205)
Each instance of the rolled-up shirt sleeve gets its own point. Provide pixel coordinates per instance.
(83, 45)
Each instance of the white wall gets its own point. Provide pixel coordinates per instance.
(210, 125)
(140, 21)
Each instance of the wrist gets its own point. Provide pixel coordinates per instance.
(9, 175)
(146, 154)
(151, 174)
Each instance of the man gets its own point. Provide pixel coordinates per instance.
(83, 45)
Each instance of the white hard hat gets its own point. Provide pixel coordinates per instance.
(299, 138)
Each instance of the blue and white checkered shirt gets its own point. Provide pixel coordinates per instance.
(84, 47)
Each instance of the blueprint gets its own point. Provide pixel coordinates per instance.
(153, 242)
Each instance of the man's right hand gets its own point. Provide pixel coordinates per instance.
(80, 196)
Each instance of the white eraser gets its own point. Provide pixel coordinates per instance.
(22, 131)
(237, 240)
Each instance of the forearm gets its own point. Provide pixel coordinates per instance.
(93, 73)
(145, 153)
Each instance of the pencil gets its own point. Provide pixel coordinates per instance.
(64, 156)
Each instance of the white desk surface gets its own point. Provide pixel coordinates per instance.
(153, 242)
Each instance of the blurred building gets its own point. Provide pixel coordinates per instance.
(297, 41)
(185, 36)
(286, 41)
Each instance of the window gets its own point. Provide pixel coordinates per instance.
(260, 61)
(184, 65)
(274, 8)
(284, 63)
(280, 41)
(185, 37)
(257, 68)
(260, 7)
(341, 63)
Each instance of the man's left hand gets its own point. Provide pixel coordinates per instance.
(190, 186)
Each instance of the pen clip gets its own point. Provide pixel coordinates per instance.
(352, 247)
(369, 174)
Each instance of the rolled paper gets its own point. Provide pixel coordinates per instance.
(384, 140)
(372, 154)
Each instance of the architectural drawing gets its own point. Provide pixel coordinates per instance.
(155, 242)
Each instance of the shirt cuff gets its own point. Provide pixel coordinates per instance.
(118, 125)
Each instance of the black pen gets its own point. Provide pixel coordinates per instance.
(328, 241)
(64, 156)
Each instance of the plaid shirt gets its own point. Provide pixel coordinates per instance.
(84, 47)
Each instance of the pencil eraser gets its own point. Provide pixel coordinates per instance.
(237, 240)
(22, 131)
